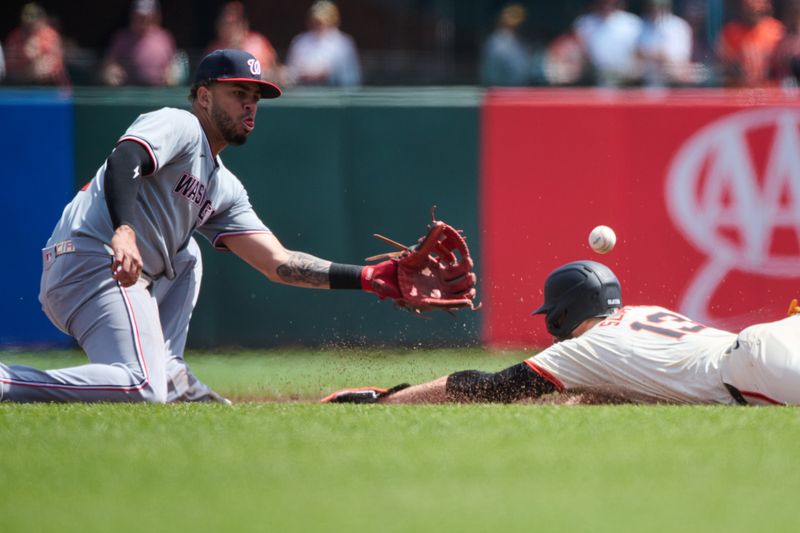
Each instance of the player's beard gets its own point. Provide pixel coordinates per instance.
(227, 127)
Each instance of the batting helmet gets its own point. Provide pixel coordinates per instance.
(577, 291)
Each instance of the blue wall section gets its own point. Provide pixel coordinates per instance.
(36, 150)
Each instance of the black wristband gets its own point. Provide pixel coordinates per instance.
(342, 276)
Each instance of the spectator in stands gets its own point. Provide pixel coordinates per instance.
(746, 45)
(565, 61)
(506, 59)
(665, 46)
(703, 58)
(233, 31)
(785, 69)
(34, 51)
(609, 36)
(323, 55)
(143, 53)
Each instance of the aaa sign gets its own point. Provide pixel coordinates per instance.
(702, 188)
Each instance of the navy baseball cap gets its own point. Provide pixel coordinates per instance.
(232, 65)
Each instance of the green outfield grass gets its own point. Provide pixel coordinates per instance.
(302, 466)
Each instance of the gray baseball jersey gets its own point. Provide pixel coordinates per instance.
(135, 336)
(189, 190)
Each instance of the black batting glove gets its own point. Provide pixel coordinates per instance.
(362, 394)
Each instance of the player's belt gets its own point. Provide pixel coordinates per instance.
(738, 396)
(59, 248)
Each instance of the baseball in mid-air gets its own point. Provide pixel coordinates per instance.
(602, 239)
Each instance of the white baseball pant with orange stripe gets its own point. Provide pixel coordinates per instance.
(764, 363)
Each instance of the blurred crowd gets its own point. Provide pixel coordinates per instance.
(605, 46)
(611, 47)
(144, 53)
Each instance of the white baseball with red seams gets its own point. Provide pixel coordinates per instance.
(602, 239)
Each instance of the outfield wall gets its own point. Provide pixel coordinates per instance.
(698, 185)
(703, 188)
(36, 150)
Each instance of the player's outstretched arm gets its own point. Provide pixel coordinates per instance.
(437, 274)
(515, 383)
(432, 392)
(265, 253)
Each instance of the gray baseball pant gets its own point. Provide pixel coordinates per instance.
(134, 337)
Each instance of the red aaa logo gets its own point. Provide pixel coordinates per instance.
(733, 190)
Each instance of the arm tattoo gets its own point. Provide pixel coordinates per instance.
(305, 269)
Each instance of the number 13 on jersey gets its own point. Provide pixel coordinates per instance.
(668, 324)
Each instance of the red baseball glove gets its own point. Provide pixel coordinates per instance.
(435, 273)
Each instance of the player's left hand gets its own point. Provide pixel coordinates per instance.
(362, 394)
(127, 264)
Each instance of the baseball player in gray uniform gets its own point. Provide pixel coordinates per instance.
(121, 271)
(631, 353)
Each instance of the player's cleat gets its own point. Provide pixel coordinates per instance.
(218, 398)
(362, 394)
(794, 307)
(212, 397)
